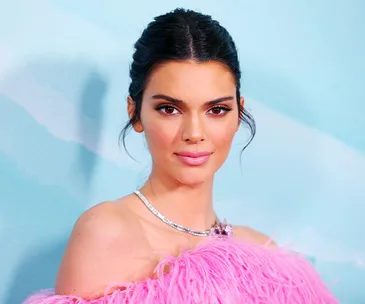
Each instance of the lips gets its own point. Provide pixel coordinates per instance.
(194, 158)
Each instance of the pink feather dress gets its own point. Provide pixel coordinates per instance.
(219, 270)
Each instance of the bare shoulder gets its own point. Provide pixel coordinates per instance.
(253, 236)
(105, 222)
(100, 250)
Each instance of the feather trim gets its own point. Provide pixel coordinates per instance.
(219, 270)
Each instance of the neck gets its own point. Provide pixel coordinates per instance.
(188, 205)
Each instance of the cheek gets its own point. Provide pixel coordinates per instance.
(159, 137)
(222, 141)
(223, 135)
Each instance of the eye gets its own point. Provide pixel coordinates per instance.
(219, 110)
(168, 110)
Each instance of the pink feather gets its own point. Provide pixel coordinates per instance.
(219, 270)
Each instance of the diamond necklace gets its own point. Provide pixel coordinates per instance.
(219, 228)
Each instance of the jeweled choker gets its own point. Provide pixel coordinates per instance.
(218, 229)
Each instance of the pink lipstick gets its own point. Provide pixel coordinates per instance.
(194, 158)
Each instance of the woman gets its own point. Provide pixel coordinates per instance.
(164, 243)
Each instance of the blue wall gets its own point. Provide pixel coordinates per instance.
(63, 85)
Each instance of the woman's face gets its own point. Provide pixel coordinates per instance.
(189, 116)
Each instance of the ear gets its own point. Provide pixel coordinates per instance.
(131, 108)
(242, 104)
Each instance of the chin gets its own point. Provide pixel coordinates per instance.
(193, 178)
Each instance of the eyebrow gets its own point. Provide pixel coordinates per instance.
(175, 100)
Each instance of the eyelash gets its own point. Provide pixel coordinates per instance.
(220, 107)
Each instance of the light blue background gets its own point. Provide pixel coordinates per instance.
(63, 85)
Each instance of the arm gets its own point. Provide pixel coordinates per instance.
(99, 252)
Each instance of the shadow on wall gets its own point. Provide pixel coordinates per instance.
(91, 105)
(37, 272)
(67, 98)
(52, 117)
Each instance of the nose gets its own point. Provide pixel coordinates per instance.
(193, 129)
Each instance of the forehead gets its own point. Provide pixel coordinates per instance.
(189, 80)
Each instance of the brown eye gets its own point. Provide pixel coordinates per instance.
(216, 111)
(167, 110)
(219, 110)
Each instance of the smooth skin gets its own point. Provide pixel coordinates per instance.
(187, 107)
